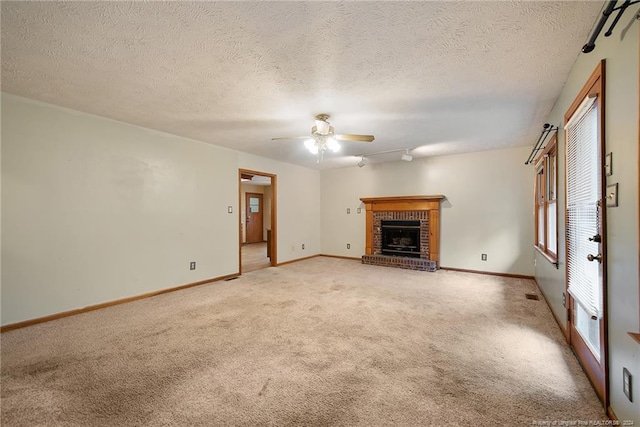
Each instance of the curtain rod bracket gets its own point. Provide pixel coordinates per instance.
(539, 145)
(611, 7)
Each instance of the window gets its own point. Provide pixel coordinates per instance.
(546, 202)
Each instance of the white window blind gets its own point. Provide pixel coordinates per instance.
(583, 184)
(552, 243)
(540, 205)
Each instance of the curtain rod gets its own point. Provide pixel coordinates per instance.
(539, 145)
(611, 7)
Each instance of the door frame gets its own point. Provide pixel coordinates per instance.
(595, 83)
(274, 215)
(636, 335)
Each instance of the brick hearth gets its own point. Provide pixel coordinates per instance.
(400, 262)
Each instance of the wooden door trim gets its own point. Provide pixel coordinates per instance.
(594, 85)
(590, 365)
(274, 215)
(636, 336)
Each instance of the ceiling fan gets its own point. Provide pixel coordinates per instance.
(322, 138)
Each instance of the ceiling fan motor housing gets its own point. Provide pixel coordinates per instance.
(322, 128)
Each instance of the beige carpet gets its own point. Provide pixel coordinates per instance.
(319, 342)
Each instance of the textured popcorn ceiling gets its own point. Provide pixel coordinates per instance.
(446, 77)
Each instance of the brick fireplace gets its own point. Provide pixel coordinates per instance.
(416, 241)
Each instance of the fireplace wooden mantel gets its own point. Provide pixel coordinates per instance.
(431, 204)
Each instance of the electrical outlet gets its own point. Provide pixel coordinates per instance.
(192, 265)
(626, 384)
(348, 210)
(564, 300)
(483, 257)
(303, 246)
(348, 245)
(359, 210)
(293, 248)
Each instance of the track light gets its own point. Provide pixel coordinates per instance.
(405, 156)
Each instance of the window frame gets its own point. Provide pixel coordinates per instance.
(546, 176)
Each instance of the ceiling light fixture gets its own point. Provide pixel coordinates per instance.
(318, 144)
(323, 138)
(406, 156)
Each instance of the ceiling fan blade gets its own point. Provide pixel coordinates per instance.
(290, 137)
(358, 138)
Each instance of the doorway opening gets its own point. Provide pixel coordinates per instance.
(257, 220)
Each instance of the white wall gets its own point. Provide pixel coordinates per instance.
(95, 210)
(488, 207)
(621, 128)
(0, 208)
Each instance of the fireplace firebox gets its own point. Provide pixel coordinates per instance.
(401, 238)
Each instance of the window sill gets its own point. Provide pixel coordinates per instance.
(635, 336)
(549, 258)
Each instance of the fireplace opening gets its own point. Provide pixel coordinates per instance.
(401, 238)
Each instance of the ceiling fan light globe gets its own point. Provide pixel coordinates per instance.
(310, 144)
(333, 145)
